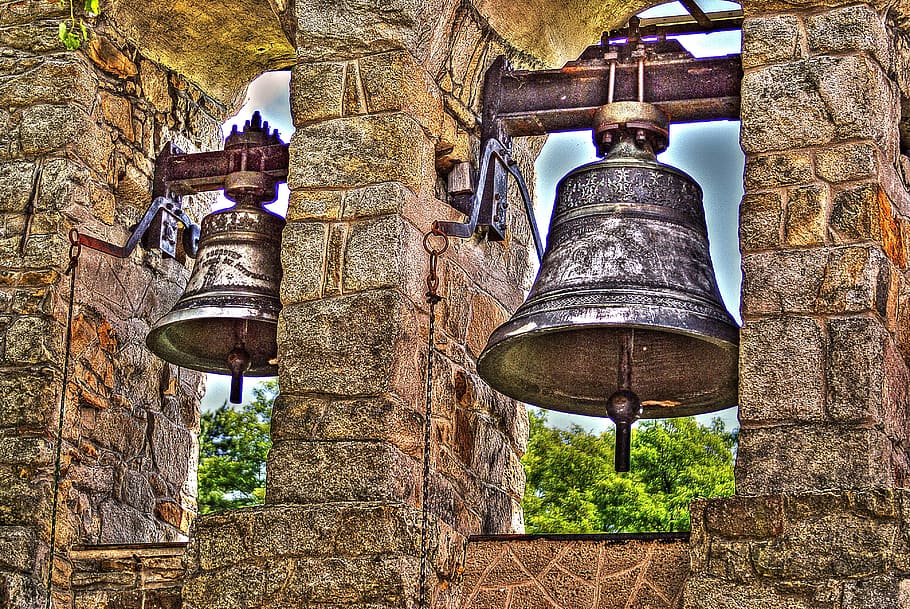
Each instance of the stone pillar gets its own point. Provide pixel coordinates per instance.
(376, 99)
(824, 381)
(78, 135)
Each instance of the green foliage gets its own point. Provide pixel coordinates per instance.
(572, 487)
(71, 33)
(233, 445)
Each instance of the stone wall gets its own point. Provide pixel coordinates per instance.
(824, 252)
(820, 551)
(78, 135)
(383, 102)
(824, 401)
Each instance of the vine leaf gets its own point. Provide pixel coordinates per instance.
(69, 38)
(72, 34)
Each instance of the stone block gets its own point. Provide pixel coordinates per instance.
(27, 399)
(302, 472)
(314, 357)
(816, 101)
(15, 185)
(317, 418)
(373, 255)
(64, 184)
(855, 369)
(486, 315)
(792, 168)
(172, 448)
(270, 533)
(124, 524)
(303, 253)
(761, 215)
(770, 392)
(376, 200)
(832, 545)
(314, 205)
(32, 340)
(118, 113)
(395, 82)
(361, 150)
(323, 31)
(362, 581)
(47, 127)
(871, 593)
(229, 588)
(710, 592)
(854, 280)
(740, 517)
(109, 58)
(22, 498)
(155, 87)
(25, 451)
(849, 29)
(806, 216)
(18, 547)
(62, 80)
(809, 458)
(782, 281)
(316, 92)
(854, 214)
(847, 163)
(771, 39)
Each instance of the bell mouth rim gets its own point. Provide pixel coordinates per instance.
(732, 345)
(157, 343)
(721, 400)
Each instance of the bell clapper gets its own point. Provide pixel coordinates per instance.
(624, 407)
(238, 362)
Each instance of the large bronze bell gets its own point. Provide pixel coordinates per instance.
(626, 302)
(226, 321)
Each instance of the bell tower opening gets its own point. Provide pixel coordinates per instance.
(571, 485)
(234, 438)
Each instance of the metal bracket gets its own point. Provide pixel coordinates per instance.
(488, 205)
(252, 163)
(160, 225)
(156, 230)
(524, 103)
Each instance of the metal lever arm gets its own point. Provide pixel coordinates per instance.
(493, 152)
(159, 204)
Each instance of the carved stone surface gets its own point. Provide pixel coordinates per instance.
(573, 572)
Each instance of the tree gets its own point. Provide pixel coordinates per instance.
(573, 488)
(233, 445)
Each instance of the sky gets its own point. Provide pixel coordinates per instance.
(709, 152)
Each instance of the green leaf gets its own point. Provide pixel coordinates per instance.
(84, 30)
(61, 31)
(572, 487)
(92, 8)
(233, 445)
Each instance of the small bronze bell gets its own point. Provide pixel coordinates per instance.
(226, 321)
(626, 302)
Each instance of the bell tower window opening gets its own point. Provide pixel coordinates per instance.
(269, 94)
(710, 152)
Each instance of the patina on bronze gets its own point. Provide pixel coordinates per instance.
(626, 284)
(227, 318)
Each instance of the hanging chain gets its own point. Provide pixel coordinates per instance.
(75, 250)
(432, 299)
